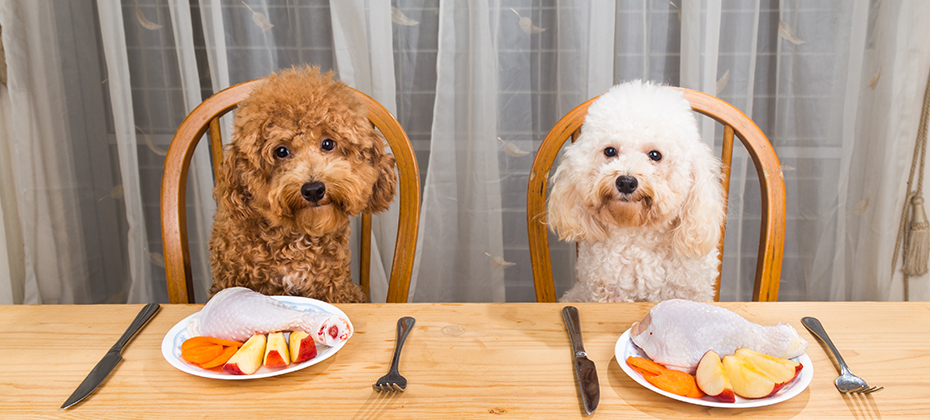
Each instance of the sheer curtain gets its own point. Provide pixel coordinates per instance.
(462, 200)
(69, 244)
(95, 89)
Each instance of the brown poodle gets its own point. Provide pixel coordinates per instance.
(303, 158)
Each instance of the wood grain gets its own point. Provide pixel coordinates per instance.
(771, 184)
(475, 360)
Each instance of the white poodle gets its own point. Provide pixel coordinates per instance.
(641, 194)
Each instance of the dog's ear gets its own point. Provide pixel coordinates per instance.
(231, 191)
(567, 215)
(382, 192)
(702, 213)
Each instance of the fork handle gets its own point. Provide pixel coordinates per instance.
(404, 325)
(813, 325)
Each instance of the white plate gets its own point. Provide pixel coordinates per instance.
(625, 348)
(171, 345)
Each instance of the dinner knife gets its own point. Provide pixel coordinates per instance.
(109, 361)
(585, 371)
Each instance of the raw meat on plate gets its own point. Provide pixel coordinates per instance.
(676, 333)
(237, 313)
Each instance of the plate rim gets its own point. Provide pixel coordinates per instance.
(791, 390)
(168, 347)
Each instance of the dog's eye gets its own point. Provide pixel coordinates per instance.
(328, 145)
(610, 152)
(655, 155)
(281, 152)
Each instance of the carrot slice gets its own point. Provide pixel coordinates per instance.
(676, 382)
(224, 357)
(696, 391)
(198, 341)
(202, 354)
(223, 342)
(640, 371)
(641, 364)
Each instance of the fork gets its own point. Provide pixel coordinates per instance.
(393, 381)
(846, 382)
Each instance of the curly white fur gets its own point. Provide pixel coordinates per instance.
(641, 194)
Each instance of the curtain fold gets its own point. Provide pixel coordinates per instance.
(849, 76)
(200, 177)
(11, 236)
(43, 171)
(461, 221)
(117, 60)
(384, 90)
(890, 85)
(602, 17)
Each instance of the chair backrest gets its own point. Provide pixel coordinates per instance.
(174, 189)
(771, 182)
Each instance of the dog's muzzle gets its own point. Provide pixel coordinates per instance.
(313, 191)
(626, 184)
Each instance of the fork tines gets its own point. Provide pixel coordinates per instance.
(388, 387)
(867, 390)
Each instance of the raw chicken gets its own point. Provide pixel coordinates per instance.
(677, 333)
(237, 313)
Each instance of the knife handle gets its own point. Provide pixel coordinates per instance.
(144, 315)
(573, 323)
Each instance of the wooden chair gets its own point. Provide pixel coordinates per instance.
(174, 190)
(771, 182)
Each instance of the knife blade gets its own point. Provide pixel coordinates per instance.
(585, 371)
(112, 358)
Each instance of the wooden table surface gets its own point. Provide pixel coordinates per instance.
(474, 360)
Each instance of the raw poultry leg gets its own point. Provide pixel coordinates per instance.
(677, 333)
(237, 313)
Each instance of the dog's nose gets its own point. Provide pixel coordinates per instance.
(626, 184)
(313, 191)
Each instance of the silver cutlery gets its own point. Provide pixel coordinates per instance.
(585, 371)
(393, 381)
(112, 358)
(846, 382)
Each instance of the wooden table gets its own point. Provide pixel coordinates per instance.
(476, 360)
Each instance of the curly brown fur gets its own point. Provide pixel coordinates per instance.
(276, 231)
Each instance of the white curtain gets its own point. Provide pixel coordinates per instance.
(95, 89)
(67, 244)
(462, 200)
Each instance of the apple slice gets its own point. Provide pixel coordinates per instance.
(747, 379)
(778, 369)
(248, 358)
(302, 347)
(276, 354)
(712, 379)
